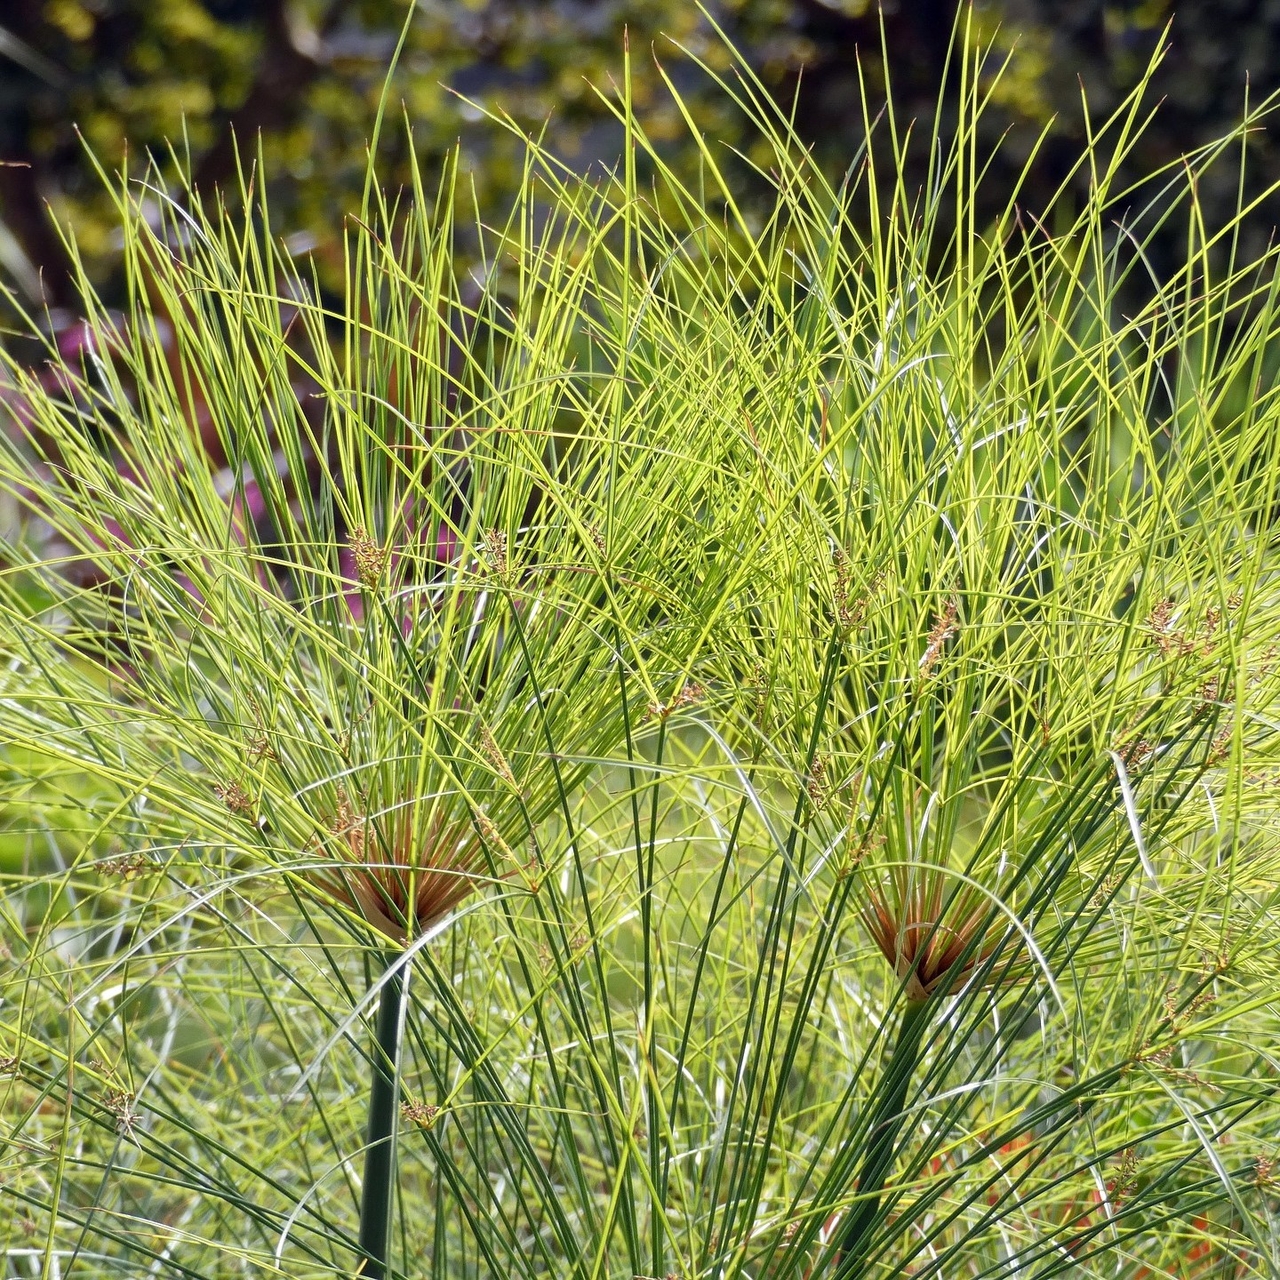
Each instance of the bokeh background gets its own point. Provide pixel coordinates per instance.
(101, 80)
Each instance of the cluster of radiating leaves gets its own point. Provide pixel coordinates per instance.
(716, 581)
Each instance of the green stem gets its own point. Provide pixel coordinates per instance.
(882, 1140)
(377, 1194)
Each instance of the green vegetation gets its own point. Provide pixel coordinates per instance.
(756, 732)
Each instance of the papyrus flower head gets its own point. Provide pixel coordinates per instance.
(404, 870)
(935, 931)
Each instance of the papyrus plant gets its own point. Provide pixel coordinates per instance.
(337, 625)
(796, 694)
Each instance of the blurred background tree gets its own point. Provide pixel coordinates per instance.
(128, 76)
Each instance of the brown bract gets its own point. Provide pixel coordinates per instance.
(402, 871)
(923, 927)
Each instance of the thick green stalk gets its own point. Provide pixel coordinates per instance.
(377, 1194)
(882, 1140)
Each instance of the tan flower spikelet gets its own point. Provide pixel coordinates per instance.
(944, 627)
(857, 847)
(492, 835)
(816, 784)
(851, 611)
(844, 571)
(495, 552)
(493, 753)
(371, 559)
(760, 698)
(127, 866)
(423, 1114)
(690, 694)
(687, 695)
(235, 797)
(1160, 625)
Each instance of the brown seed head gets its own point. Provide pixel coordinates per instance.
(686, 696)
(235, 797)
(816, 785)
(944, 627)
(1136, 753)
(495, 551)
(1219, 747)
(128, 866)
(119, 1102)
(1212, 618)
(851, 611)
(1126, 1177)
(423, 1114)
(1160, 624)
(1208, 695)
(689, 695)
(371, 559)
